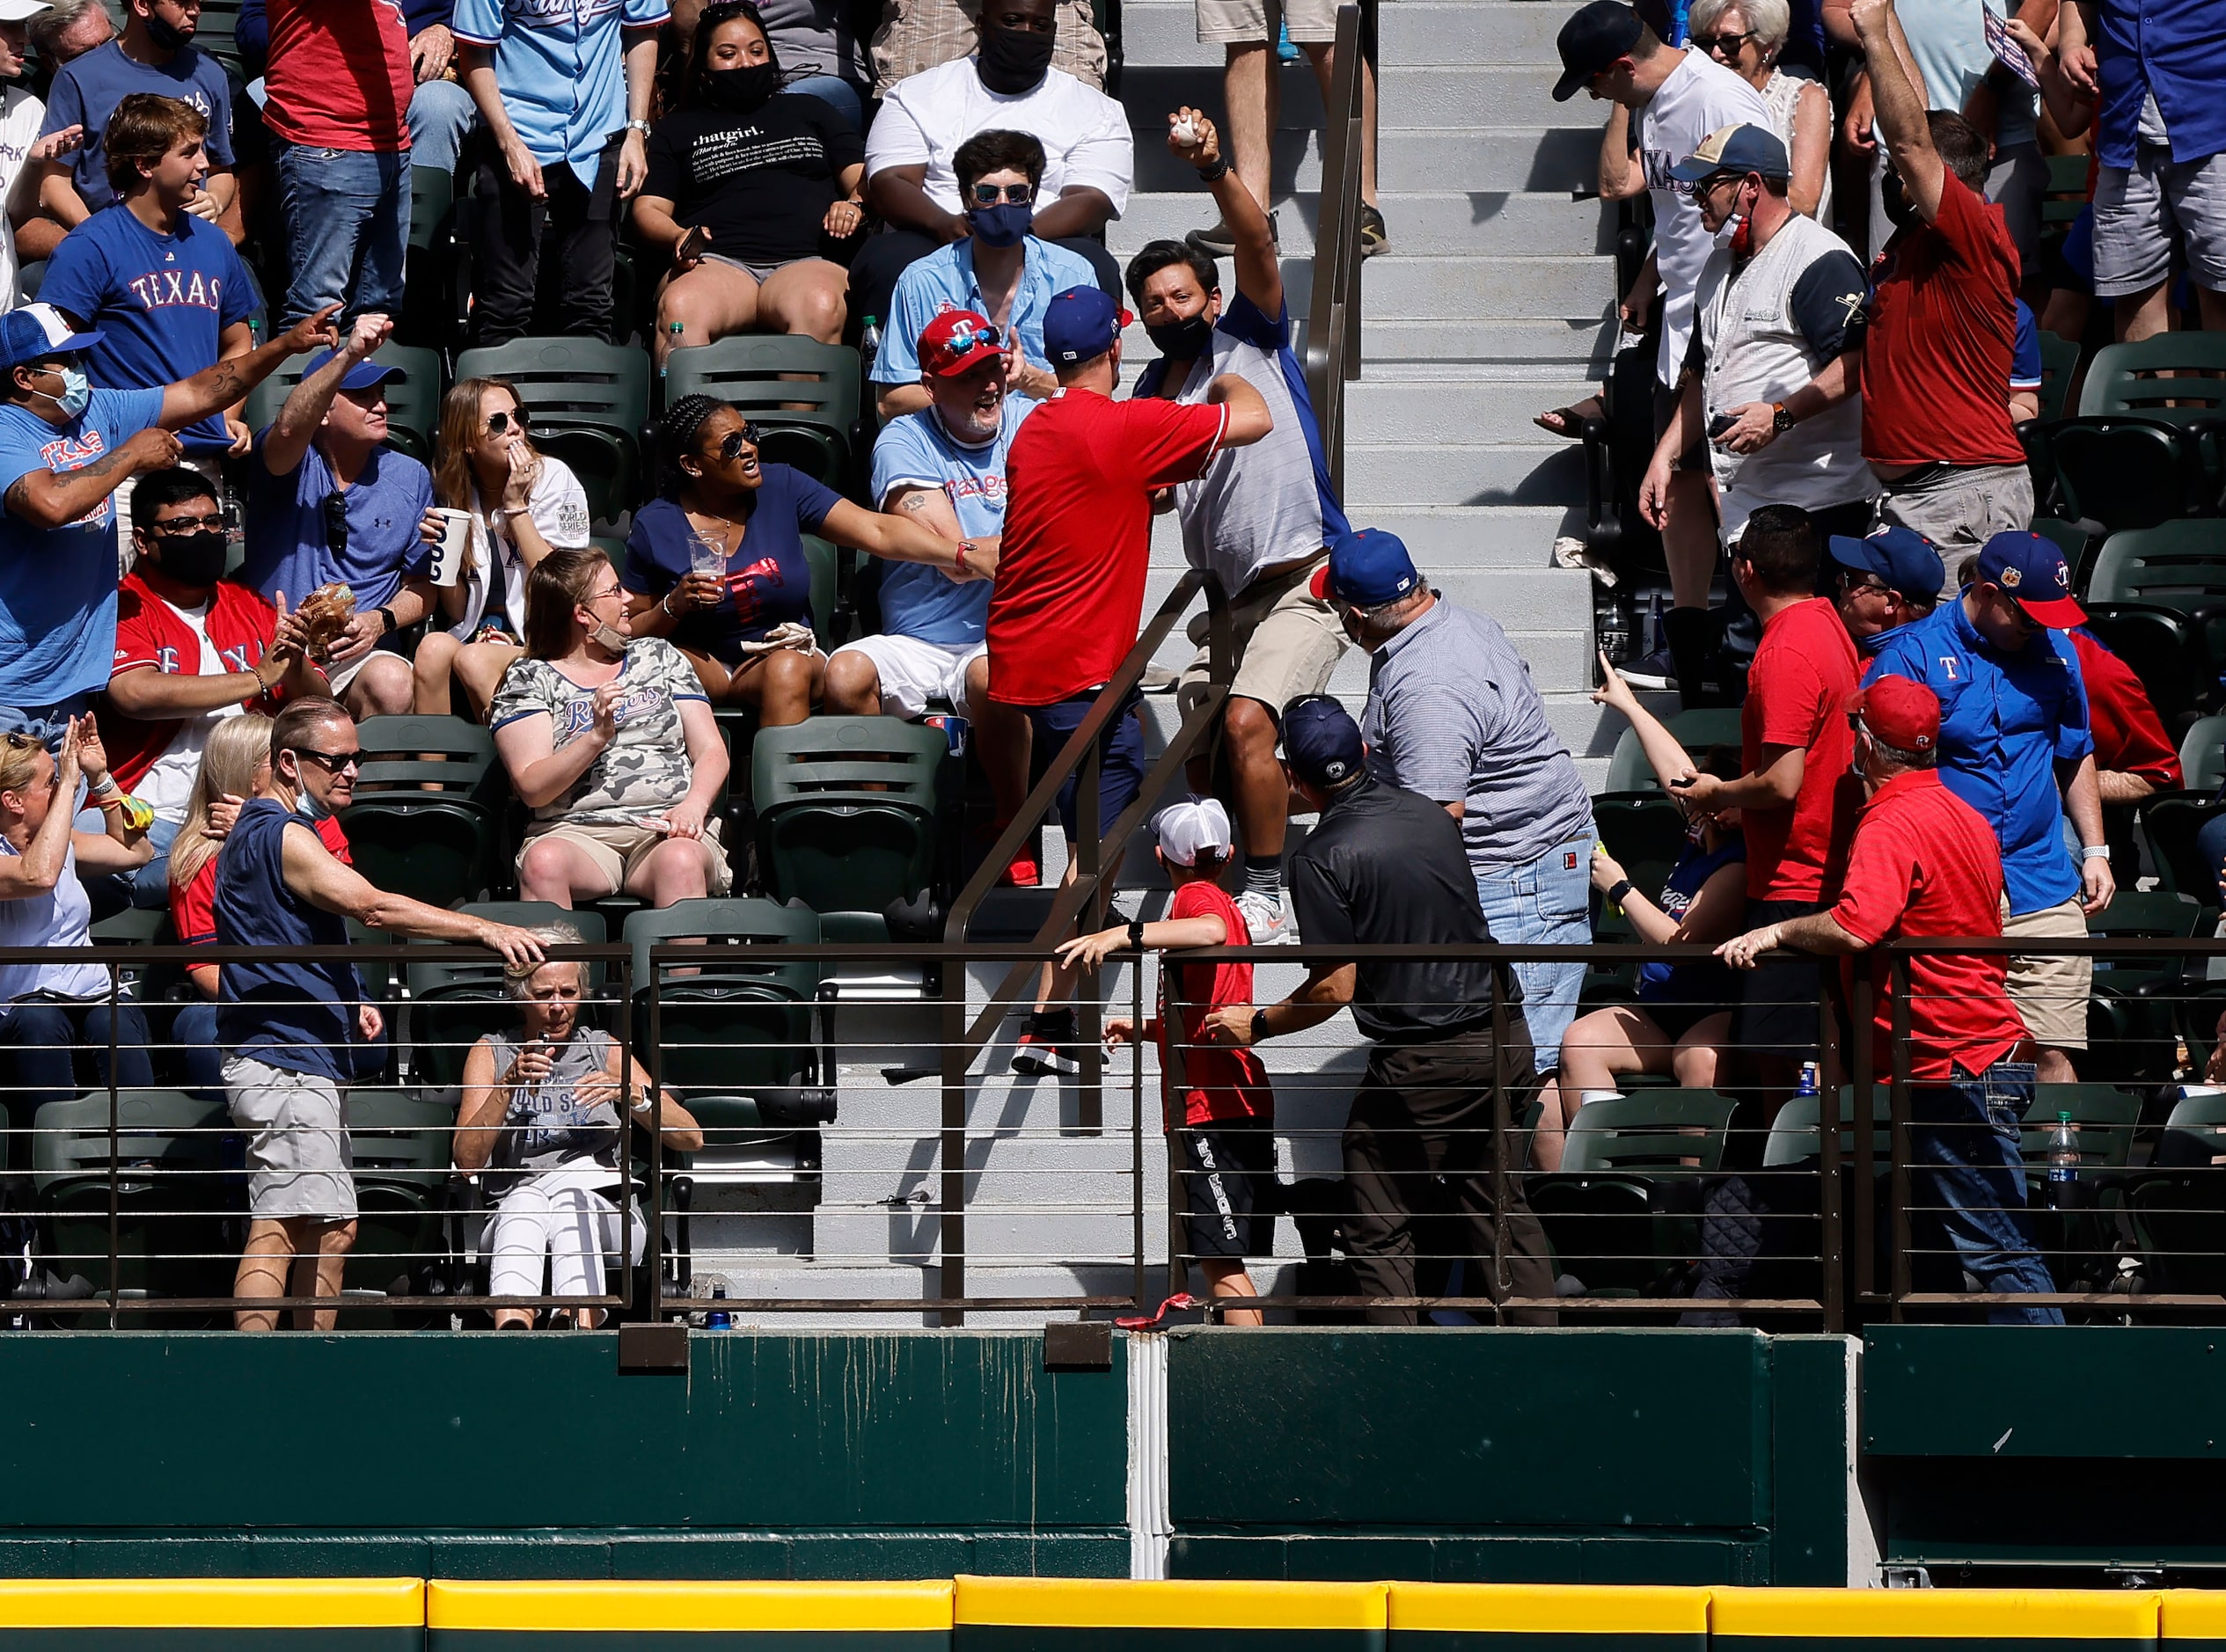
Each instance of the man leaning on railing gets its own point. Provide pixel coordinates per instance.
(1924, 862)
(285, 1025)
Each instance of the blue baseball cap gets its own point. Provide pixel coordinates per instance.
(362, 376)
(2031, 568)
(1321, 742)
(1080, 325)
(1591, 42)
(39, 332)
(1367, 568)
(1901, 557)
(1735, 149)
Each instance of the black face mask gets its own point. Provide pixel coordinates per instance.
(195, 559)
(166, 36)
(1014, 61)
(1185, 340)
(740, 91)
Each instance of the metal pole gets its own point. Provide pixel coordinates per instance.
(1897, 1140)
(1863, 1113)
(1833, 1248)
(656, 1235)
(114, 1154)
(1502, 1286)
(1089, 1011)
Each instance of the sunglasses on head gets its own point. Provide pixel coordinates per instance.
(1726, 45)
(974, 337)
(749, 436)
(989, 195)
(499, 422)
(331, 762)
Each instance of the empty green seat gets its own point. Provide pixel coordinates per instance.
(1622, 1212)
(846, 810)
(1696, 730)
(437, 845)
(403, 1149)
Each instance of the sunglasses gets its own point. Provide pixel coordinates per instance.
(175, 525)
(497, 423)
(749, 436)
(989, 195)
(974, 337)
(331, 762)
(336, 523)
(2018, 612)
(1720, 45)
(1853, 582)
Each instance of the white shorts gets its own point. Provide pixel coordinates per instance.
(914, 672)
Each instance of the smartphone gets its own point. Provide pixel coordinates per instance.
(692, 244)
(1721, 422)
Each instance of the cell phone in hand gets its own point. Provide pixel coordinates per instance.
(1721, 422)
(692, 244)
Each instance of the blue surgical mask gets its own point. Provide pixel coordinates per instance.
(308, 807)
(1003, 224)
(77, 393)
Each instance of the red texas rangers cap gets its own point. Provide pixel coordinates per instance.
(1903, 713)
(954, 341)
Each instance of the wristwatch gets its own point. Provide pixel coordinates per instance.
(1781, 420)
(641, 127)
(1619, 892)
(1214, 171)
(1259, 1025)
(387, 624)
(1135, 933)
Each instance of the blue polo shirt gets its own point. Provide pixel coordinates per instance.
(58, 585)
(88, 89)
(916, 452)
(944, 280)
(2171, 48)
(560, 65)
(287, 549)
(161, 302)
(2005, 722)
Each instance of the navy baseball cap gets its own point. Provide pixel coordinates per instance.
(1901, 557)
(362, 376)
(1368, 569)
(39, 332)
(1735, 149)
(2030, 567)
(1321, 742)
(1079, 324)
(1590, 41)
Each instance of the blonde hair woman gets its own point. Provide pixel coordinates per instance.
(523, 504)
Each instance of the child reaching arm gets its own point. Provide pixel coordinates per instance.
(1225, 1144)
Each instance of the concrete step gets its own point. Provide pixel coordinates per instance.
(1583, 343)
(1157, 33)
(1513, 536)
(1418, 98)
(1397, 288)
(1562, 159)
(1428, 224)
(1432, 412)
(1469, 475)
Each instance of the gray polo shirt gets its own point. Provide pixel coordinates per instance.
(1451, 714)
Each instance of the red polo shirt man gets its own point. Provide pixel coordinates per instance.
(1794, 746)
(1923, 863)
(1081, 480)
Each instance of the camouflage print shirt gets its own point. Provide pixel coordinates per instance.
(645, 770)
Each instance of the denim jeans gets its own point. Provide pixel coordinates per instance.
(837, 94)
(1967, 1185)
(347, 226)
(442, 115)
(194, 1034)
(48, 722)
(40, 1042)
(1540, 903)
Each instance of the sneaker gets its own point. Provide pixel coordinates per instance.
(1216, 241)
(1655, 671)
(1038, 1056)
(1375, 237)
(1264, 918)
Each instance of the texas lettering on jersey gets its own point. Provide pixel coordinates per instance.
(74, 453)
(169, 289)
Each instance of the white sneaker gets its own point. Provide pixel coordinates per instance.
(1264, 918)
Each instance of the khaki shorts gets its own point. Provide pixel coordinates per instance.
(300, 1161)
(1288, 641)
(2050, 990)
(1250, 22)
(617, 851)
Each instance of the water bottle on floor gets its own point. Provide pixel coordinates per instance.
(2063, 1165)
(870, 342)
(718, 1318)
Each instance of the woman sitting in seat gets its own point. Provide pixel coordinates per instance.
(610, 742)
(52, 1012)
(539, 1122)
(1683, 1013)
(718, 564)
(525, 504)
(748, 186)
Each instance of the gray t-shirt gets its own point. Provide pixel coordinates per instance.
(1452, 713)
(641, 773)
(814, 37)
(545, 1127)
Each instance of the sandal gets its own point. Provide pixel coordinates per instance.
(1570, 422)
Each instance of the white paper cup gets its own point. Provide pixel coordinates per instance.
(448, 555)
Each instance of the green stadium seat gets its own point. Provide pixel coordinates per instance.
(2203, 759)
(413, 397)
(436, 292)
(439, 846)
(2133, 456)
(218, 33)
(2059, 365)
(2176, 1204)
(1623, 1213)
(590, 405)
(847, 811)
(735, 1026)
(802, 393)
(403, 1147)
(2167, 650)
(1696, 730)
(2080, 1244)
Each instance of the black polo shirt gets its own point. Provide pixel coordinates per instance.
(1387, 867)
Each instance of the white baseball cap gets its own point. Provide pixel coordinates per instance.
(1187, 828)
(17, 11)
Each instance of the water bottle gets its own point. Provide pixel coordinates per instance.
(869, 340)
(718, 1318)
(2063, 1165)
(1808, 1079)
(1612, 627)
(1657, 636)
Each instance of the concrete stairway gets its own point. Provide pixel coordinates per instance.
(1495, 303)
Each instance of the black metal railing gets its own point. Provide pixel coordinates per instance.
(1333, 319)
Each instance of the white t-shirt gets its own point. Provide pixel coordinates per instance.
(927, 116)
(1700, 97)
(559, 506)
(21, 115)
(168, 786)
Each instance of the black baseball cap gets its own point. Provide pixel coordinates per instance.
(1321, 742)
(1590, 41)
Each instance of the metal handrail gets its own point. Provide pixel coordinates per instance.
(1333, 317)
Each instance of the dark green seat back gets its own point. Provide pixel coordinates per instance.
(413, 397)
(846, 809)
(1651, 1132)
(1696, 730)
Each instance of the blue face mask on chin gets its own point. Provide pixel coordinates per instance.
(1003, 224)
(77, 393)
(308, 807)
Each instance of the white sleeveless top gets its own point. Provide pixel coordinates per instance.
(1781, 95)
(62, 916)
